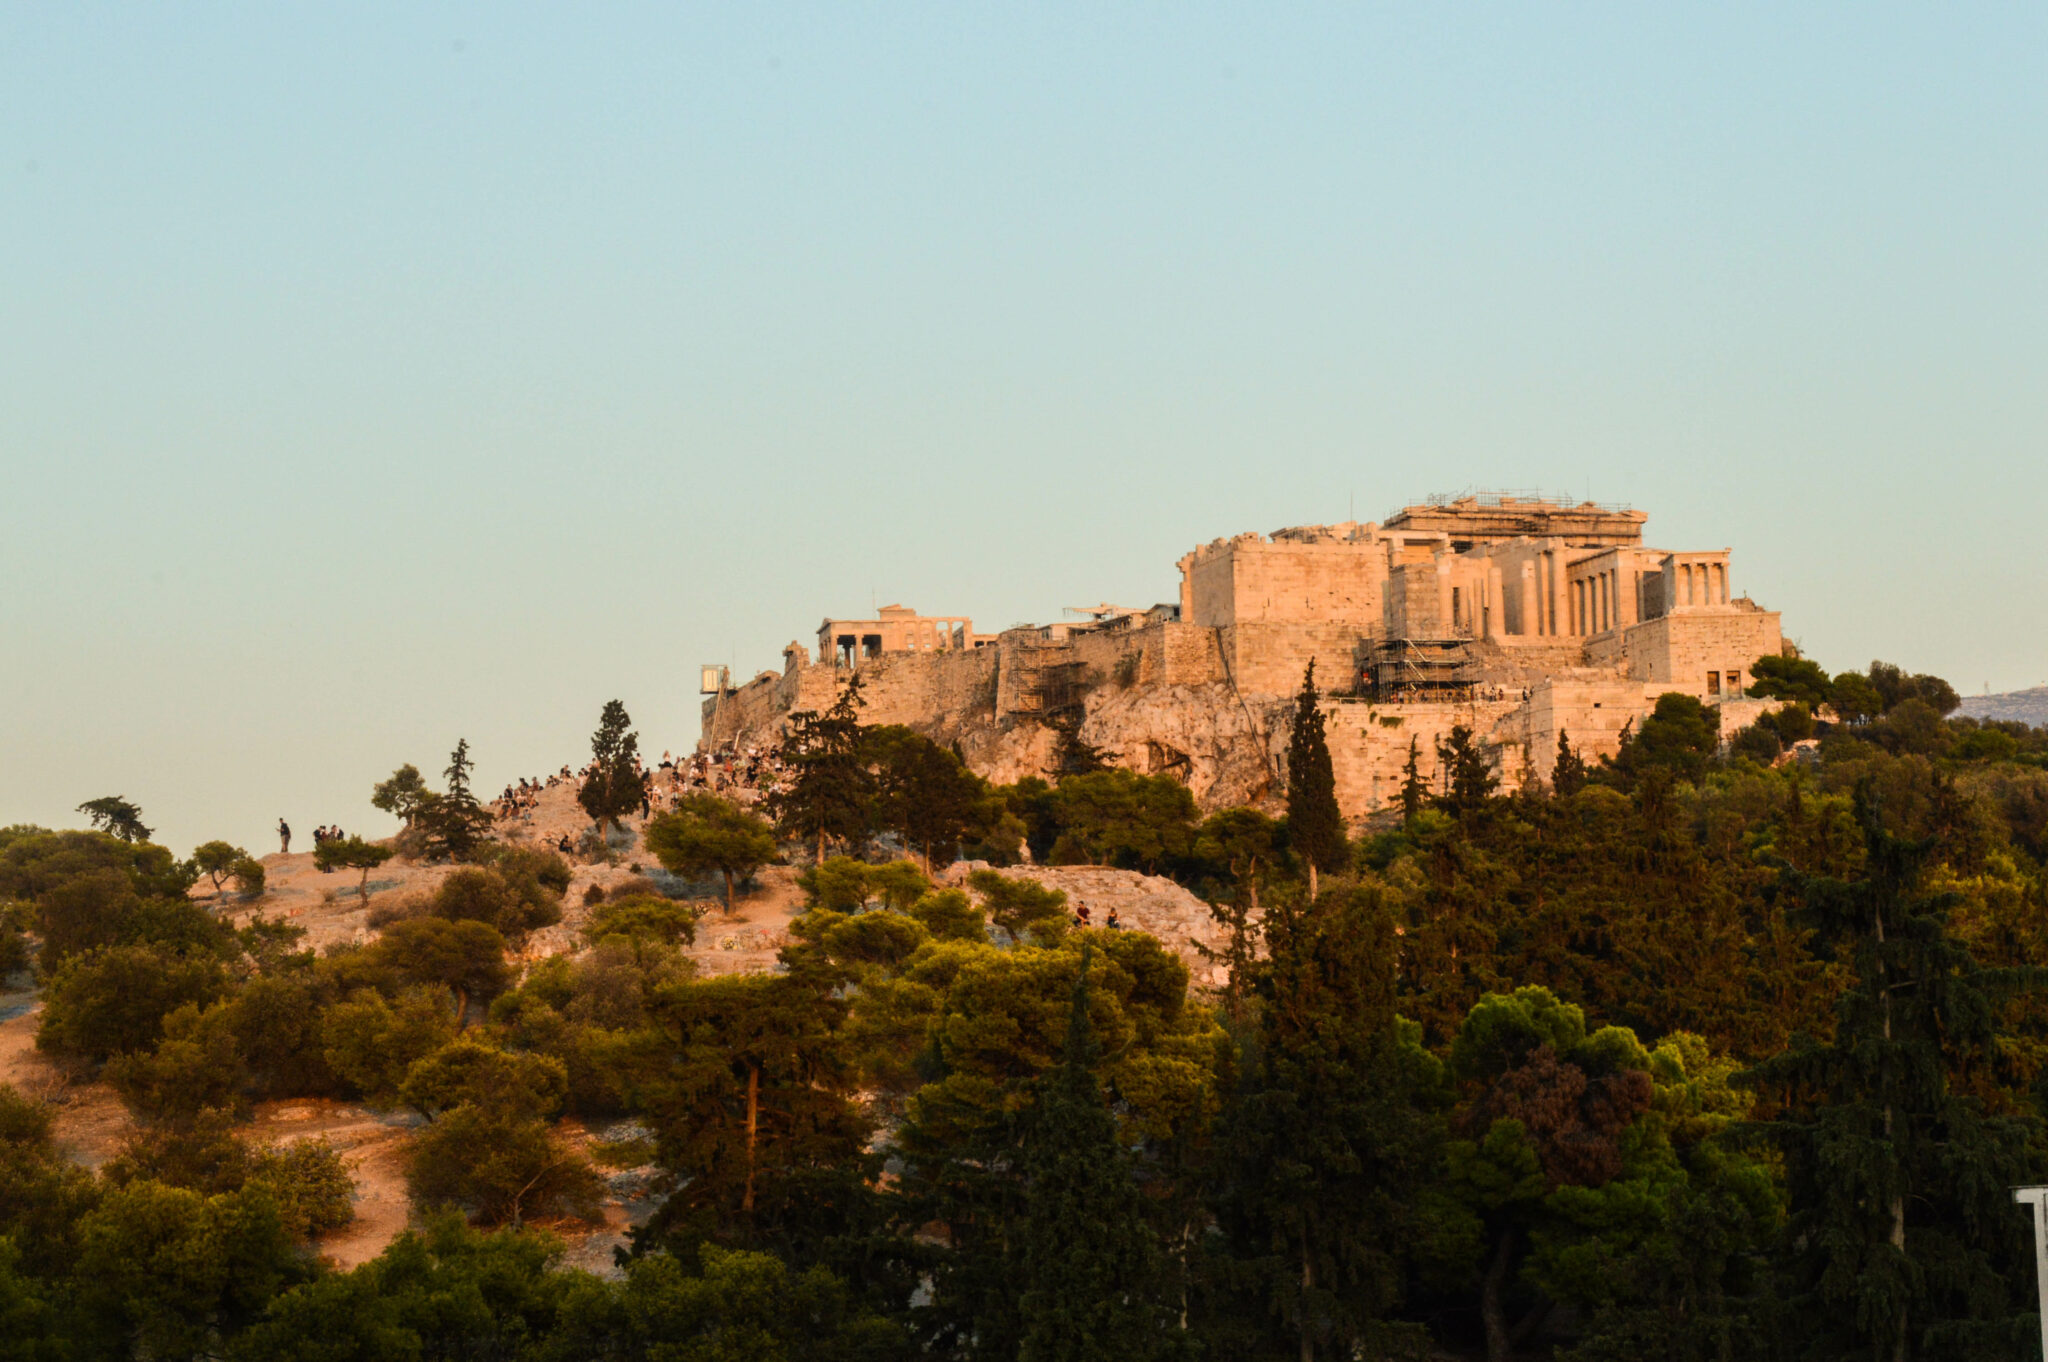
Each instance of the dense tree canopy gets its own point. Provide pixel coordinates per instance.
(1729, 1046)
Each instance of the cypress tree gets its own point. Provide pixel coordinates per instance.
(1323, 1149)
(455, 823)
(1903, 1241)
(1315, 828)
(1568, 777)
(1093, 1272)
(1414, 790)
(616, 785)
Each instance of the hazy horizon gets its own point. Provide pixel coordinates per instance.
(382, 378)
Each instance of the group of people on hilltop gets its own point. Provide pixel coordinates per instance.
(1111, 922)
(520, 800)
(740, 773)
(323, 833)
(744, 774)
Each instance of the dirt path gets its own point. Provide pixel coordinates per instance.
(90, 1121)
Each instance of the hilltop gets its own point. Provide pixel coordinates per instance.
(2029, 706)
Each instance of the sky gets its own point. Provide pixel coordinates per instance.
(376, 376)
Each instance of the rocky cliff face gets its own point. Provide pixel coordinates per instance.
(1143, 903)
(1221, 748)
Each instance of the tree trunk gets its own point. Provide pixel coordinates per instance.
(1312, 890)
(1308, 1282)
(731, 907)
(1499, 1347)
(1897, 1236)
(753, 1129)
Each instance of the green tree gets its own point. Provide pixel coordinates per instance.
(455, 825)
(1093, 1279)
(1243, 846)
(704, 835)
(466, 958)
(371, 1042)
(1854, 698)
(1776, 677)
(1901, 1243)
(478, 894)
(615, 785)
(1414, 789)
(113, 999)
(827, 791)
(1018, 905)
(1894, 685)
(755, 1112)
(116, 817)
(352, 853)
(1315, 827)
(923, 793)
(1471, 781)
(163, 1272)
(733, 1305)
(1568, 777)
(249, 877)
(1331, 1135)
(217, 861)
(645, 919)
(405, 795)
(1679, 736)
(309, 1181)
(1122, 818)
(489, 1147)
(1551, 1107)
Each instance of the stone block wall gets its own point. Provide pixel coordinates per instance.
(1369, 746)
(1677, 651)
(1591, 710)
(1268, 659)
(758, 711)
(1250, 579)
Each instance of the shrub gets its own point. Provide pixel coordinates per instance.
(388, 911)
(113, 1000)
(310, 1183)
(513, 907)
(652, 919)
(200, 1153)
(249, 877)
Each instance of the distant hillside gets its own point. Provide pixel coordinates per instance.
(2024, 706)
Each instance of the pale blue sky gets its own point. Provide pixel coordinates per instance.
(371, 376)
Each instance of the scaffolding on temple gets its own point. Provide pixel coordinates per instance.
(1419, 670)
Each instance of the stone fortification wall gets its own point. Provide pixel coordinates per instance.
(1591, 707)
(1333, 579)
(931, 691)
(1516, 663)
(758, 712)
(1369, 745)
(1269, 658)
(1677, 651)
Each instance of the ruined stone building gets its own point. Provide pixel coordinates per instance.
(1516, 618)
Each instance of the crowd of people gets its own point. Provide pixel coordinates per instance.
(519, 800)
(743, 774)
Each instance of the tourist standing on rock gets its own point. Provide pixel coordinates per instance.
(284, 838)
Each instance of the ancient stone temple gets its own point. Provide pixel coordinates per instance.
(1515, 617)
